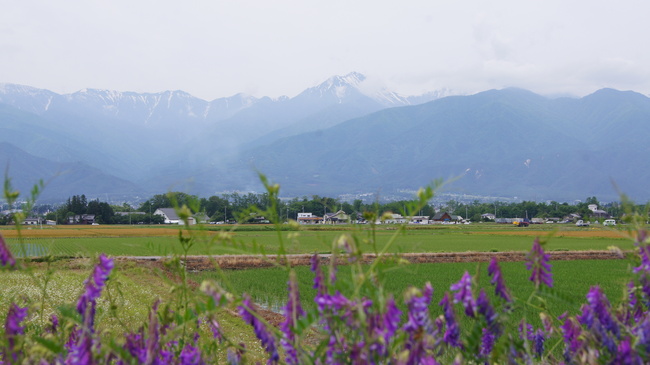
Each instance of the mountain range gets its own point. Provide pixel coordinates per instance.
(339, 137)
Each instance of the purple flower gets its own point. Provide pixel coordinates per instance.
(644, 253)
(494, 271)
(538, 341)
(215, 327)
(292, 312)
(600, 307)
(418, 305)
(391, 320)
(537, 262)
(487, 342)
(6, 258)
(626, 355)
(81, 349)
(136, 347)
(571, 333)
(642, 331)
(249, 315)
(418, 326)
(319, 284)
(190, 356)
(13, 329)
(15, 315)
(526, 330)
(54, 323)
(234, 356)
(487, 311)
(94, 284)
(452, 333)
(464, 294)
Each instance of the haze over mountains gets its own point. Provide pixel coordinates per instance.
(340, 137)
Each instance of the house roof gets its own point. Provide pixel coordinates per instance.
(335, 215)
(170, 213)
(439, 215)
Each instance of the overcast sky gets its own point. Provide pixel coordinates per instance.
(218, 48)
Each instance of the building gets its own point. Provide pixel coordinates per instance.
(81, 219)
(598, 213)
(395, 219)
(308, 218)
(32, 221)
(339, 217)
(169, 215)
(445, 217)
(419, 219)
(489, 216)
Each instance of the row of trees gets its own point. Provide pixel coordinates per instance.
(237, 207)
(78, 205)
(228, 207)
(530, 209)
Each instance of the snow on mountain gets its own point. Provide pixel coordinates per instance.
(26, 98)
(430, 96)
(355, 84)
(177, 106)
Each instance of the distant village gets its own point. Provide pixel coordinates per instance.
(235, 209)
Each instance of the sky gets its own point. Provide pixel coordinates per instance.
(218, 48)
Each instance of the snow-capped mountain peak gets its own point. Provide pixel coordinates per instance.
(355, 83)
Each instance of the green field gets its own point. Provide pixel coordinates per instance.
(572, 281)
(416, 240)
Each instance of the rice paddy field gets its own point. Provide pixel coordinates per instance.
(572, 281)
(134, 287)
(80, 241)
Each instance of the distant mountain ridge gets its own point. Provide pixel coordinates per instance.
(508, 142)
(342, 136)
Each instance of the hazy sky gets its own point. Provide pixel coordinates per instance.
(217, 48)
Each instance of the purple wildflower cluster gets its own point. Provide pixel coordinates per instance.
(494, 270)
(292, 313)
(6, 258)
(83, 342)
(249, 314)
(537, 263)
(13, 333)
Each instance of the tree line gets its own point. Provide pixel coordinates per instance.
(237, 207)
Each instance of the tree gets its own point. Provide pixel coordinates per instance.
(216, 208)
(167, 201)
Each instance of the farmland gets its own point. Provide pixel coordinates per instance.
(163, 240)
(137, 284)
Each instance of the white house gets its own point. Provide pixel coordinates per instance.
(396, 219)
(489, 216)
(169, 215)
(598, 212)
(32, 221)
(309, 218)
(419, 219)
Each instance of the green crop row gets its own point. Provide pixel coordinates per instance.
(305, 242)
